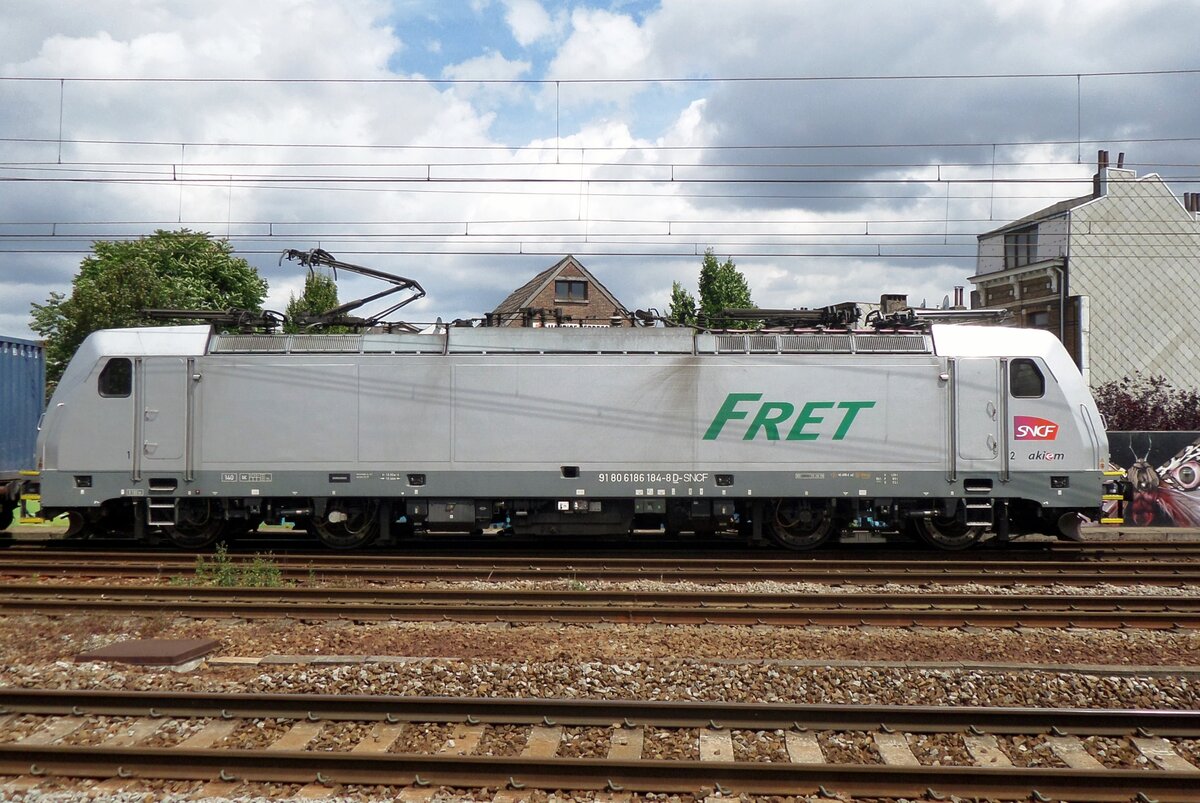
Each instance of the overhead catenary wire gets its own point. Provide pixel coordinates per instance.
(552, 81)
(630, 249)
(550, 146)
(740, 172)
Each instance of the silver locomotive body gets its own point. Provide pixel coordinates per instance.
(583, 431)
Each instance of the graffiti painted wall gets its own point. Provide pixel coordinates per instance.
(1163, 469)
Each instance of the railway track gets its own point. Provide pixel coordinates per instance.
(633, 607)
(53, 733)
(1182, 544)
(426, 568)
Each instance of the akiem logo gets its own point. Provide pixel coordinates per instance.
(1029, 428)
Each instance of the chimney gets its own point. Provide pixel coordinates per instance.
(1121, 159)
(958, 297)
(1100, 180)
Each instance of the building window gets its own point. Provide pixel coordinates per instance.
(1039, 319)
(570, 290)
(117, 378)
(1026, 380)
(1020, 247)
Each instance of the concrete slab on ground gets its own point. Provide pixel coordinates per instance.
(151, 651)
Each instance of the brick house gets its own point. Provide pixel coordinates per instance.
(565, 294)
(1114, 273)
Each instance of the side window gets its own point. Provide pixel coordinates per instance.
(1025, 380)
(117, 377)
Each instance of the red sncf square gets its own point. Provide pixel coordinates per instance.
(1031, 428)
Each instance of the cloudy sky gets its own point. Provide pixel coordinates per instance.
(836, 150)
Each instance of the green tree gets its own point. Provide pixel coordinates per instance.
(683, 306)
(169, 269)
(320, 295)
(722, 286)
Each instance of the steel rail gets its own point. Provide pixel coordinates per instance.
(118, 600)
(1174, 723)
(463, 569)
(643, 775)
(333, 768)
(1180, 541)
(906, 601)
(447, 555)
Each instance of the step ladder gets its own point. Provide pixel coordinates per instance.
(978, 512)
(160, 512)
(1112, 502)
(25, 517)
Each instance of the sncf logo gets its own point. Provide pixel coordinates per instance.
(1030, 428)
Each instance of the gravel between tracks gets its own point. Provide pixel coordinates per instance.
(678, 679)
(657, 662)
(1181, 589)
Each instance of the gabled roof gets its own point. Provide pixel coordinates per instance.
(524, 295)
(1054, 210)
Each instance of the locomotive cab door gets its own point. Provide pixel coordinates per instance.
(163, 404)
(977, 414)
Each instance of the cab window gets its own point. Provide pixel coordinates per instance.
(117, 377)
(1025, 380)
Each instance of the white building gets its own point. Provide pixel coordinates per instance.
(1116, 274)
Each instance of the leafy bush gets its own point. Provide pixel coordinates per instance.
(223, 571)
(1139, 403)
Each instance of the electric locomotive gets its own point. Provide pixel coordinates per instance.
(946, 433)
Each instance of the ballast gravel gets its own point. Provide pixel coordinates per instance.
(1029, 751)
(940, 749)
(680, 744)
(95, 730)
(583, 742)
(174, 731)
(763, 746)
(639, 662)
(255, 734)
(666, 679)
(1117, 754)
(340, 736)
(420, 737)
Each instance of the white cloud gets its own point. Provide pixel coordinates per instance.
(603, 45)
(528, 21)
(679, 38)
(491, 65)
(223, 38)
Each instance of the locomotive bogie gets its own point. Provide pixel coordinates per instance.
(788, 437)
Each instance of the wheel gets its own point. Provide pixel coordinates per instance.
(347, 523)
(947, 532)
(78, 525)
(799, 524)
(1068, 528)
(198, 523)
(7, 511)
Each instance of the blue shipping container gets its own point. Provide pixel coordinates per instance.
(22, 399)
